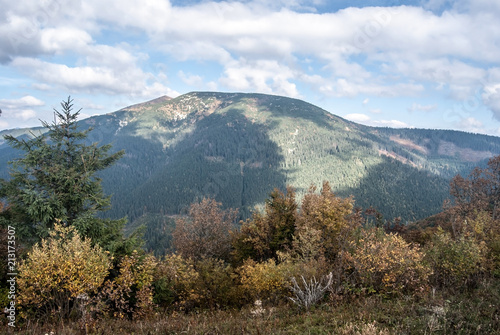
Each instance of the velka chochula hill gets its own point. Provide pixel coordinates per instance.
(238, 147)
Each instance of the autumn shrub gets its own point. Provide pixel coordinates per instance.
(486, 231)
(332, 217)
(457, 262)
(385, 263)
(175, 282)
(130, 293)
(265, 280)
(217, 285)
(307, 244)
(205, 233)
(57, 271)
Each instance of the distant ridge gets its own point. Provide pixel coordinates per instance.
(148, 103)
(237, 147)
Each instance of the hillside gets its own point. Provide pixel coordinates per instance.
(237, 147)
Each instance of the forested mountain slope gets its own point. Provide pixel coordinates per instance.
(237, 147)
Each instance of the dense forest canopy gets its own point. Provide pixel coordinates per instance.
(236, 148)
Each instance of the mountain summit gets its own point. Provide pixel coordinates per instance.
(238, 147)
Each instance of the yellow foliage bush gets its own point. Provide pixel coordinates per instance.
(130, 293)
(60, 269)
(386, 263)
(456, 262)
(486, 232)
(331, 217)
(174, 283)
(265, 280)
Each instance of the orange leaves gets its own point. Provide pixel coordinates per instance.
(133, 283)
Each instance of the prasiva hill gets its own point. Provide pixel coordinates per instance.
(238, 147)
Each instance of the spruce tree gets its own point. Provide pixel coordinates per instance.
(56, 181)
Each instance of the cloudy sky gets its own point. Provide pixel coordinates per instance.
(414, 63)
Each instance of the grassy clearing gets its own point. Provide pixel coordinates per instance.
(442, 312)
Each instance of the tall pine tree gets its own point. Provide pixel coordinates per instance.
(55, 180)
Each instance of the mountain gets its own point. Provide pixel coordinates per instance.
(238, 147)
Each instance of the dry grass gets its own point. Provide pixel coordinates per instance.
(475, 312)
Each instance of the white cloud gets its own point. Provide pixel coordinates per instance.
(21, 108)
(93, 79)
(460, 78)
(260, 76)
(41, 86)
(472, 125)
(490, 94)
(347, 88)
(64, 39)
(149, 15)
(26, 101)
(191, 79)
(367, 120)
(355, 117)
(491, 98)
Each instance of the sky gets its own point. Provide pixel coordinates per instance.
(416, 63)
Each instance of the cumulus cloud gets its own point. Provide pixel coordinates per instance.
(491, 98)
(367, 120)
(92, 79)
(26, 101)
(58, 40)
(260, 76)
(280, 31)
(21, 108)
(356, 117)
(443, 46)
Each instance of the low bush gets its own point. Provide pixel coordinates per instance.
(385, 263)
(457, 263)
(174, 283)
(130, 294)
(58, 271)
(265, 280)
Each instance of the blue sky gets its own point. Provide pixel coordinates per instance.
(418, 63)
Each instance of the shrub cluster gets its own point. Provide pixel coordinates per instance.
(286, 254)
(386, 263)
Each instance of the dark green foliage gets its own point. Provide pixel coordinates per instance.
(217, 285)
(56, 180)
(157, 232)
(262, 236)
(237, 148)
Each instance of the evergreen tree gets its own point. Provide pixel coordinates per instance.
(55, 181)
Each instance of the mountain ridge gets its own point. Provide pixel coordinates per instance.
(237, 147)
